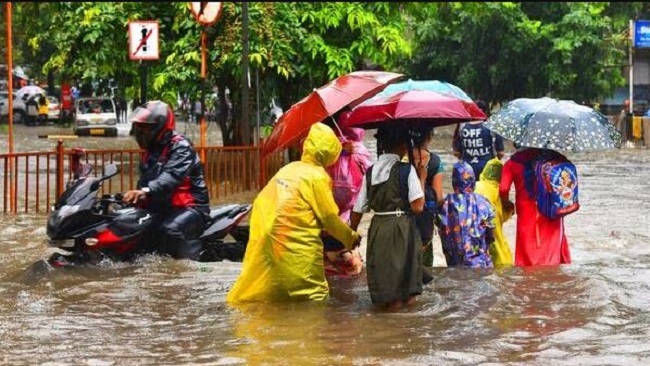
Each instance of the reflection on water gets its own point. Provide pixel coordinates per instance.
(164, 312)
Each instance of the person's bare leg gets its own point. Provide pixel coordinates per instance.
(394, 305)
(411, 300)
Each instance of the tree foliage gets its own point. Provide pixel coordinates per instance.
(494, 50)
(501, 51)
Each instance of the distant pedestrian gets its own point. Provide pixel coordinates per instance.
(621, 120)
(197, 111)
(76, 93)
(43, 109)
(118, 109)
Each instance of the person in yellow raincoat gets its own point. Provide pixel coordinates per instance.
(488, 186)
(43, 109)
(284, 255)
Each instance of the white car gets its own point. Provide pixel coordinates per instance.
(95, 116)
(20, 109)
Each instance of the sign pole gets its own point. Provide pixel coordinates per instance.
(143, 83)
(206, 13)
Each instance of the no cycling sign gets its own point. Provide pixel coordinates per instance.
(143, 40)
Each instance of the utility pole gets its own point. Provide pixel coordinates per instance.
(245, 81)
(10, 106)
(206, 13)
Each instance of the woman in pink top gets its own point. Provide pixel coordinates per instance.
(540, 240)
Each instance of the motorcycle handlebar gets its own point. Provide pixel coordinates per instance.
(113, 198)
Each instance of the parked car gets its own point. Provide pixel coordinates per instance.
(20, 109)
(95, 116)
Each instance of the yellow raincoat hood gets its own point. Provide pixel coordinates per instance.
(321, 147)
(284, 255)
(488, 186)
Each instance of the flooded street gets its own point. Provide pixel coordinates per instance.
(159, 311)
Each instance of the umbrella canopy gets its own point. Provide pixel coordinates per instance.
(347, 90)
(29, 90)
(554, 124)
(441, 87)
(417, 106)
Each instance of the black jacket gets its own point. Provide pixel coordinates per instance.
(174, 173)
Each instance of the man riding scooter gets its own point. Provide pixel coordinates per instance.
(171, 186)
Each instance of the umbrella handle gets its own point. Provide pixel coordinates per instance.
(338, 129)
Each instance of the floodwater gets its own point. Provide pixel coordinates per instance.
(160, 311)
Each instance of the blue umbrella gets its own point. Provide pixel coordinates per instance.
(554, 124)
(425, 85)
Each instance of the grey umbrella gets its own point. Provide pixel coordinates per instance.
(554, 124)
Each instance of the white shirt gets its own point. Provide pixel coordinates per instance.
(380, 173)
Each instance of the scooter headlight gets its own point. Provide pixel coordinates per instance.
(92, 241)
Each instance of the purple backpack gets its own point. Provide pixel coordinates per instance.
(556, 187)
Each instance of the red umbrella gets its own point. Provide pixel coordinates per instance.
(418, 106)
(347, 90)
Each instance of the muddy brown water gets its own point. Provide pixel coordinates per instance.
(159, 311)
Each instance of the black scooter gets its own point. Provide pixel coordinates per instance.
(89, 229)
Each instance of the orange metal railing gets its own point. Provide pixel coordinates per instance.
(39, 178)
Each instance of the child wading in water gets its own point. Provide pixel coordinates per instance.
(488, 186)
(466, 222)
(394, 255)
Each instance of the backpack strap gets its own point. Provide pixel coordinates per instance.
(404, 171)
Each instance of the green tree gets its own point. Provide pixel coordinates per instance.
(501, 51)
(295, 47)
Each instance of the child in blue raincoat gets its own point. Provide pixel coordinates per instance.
(466, 222)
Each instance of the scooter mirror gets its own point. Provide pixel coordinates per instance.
(84, 170)
(110, 170)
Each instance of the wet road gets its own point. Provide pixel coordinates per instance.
(165, 312)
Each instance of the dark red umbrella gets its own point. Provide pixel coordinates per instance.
(347, 90)
(417, 106)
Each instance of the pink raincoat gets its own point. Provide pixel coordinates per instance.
(347, 176)
(347, 173)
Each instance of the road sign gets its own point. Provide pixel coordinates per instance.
(206, 13)
(143, 40)
(642, 34)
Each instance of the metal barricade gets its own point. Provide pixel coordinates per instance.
(32, 181)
